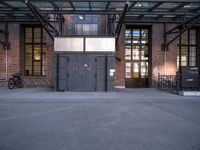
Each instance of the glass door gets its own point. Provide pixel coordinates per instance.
(136, 57)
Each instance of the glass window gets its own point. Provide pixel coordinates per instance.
(128, 53)
(28, 36)
(86, 29)
(188, 48)
(136, 52)
(136, 70)
(86, 26)
(128, 70)
(35, 51)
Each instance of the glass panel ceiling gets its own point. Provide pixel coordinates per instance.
(141, 9)
(63, 4)
(19, 15)
(16, 3)
(42, 4)
(81, 4)
(168, 5)
(117, 4)
(2, 5)
(191, 6)
(144, 4)
(99, 4)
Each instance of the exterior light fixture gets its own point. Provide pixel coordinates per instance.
(81, 17)
(138, 4)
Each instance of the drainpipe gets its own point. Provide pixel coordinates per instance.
(165, 50)
(6, 64)
(6, 48)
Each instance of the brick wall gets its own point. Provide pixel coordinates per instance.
(13, 54)
(157, 54)
(120, 65)
(158, 65)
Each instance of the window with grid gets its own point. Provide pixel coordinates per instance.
(188, 48)
(136, 53)
(86, 29)
(35, 51)
(86, 25)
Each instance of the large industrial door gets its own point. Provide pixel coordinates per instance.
(81, 73)
(136, 57)
(84, 72)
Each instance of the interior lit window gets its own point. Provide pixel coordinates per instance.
(35, 51)
(136, 53)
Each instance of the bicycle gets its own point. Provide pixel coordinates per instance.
(15, 81)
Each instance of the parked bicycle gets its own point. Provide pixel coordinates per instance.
(15, 81)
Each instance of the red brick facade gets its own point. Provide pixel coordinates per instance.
(15, 58)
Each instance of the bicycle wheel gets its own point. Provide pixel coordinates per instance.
(20, 83)
(11, 83)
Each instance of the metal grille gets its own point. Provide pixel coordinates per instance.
(171, 83)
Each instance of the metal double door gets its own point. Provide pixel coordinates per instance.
(81, 73)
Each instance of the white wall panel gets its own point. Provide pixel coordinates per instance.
(68, 44)
(100, 44)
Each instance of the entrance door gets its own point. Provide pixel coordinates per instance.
(82, 73)
(136, 57)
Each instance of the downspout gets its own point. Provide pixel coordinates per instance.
(165, 50)
(6, 47)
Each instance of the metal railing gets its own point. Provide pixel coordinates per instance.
(34, 82)
(171, 83)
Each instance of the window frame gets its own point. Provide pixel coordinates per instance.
(89, 20)
(41, 44)
(140, 45)
(188, 46)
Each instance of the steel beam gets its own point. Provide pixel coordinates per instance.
(166, 1)
(119, 26)
(39, 18)
(184, 23)
(178, 7)
(180, 29)
(131, 6)
(107, 6)
(100, 12)
(155, 6)
(72, 5)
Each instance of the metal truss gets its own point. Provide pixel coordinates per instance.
(143, 11)
(179, 30)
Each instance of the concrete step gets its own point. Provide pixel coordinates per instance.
(189, 93)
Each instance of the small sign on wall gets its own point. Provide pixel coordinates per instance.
(111, 72)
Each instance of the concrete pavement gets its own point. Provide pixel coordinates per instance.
(131, 119)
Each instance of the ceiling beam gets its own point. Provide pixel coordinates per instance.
(72, 5)
(107, 6)
(131, 6)
(155, 6)
(54, 5)
(90, 6)
(195, 9)
(178, 7)
(117, 12)
(165, 1)
(152, 8)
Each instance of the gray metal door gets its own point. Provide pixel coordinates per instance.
(82, 73)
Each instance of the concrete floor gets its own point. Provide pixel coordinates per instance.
(131, 119)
